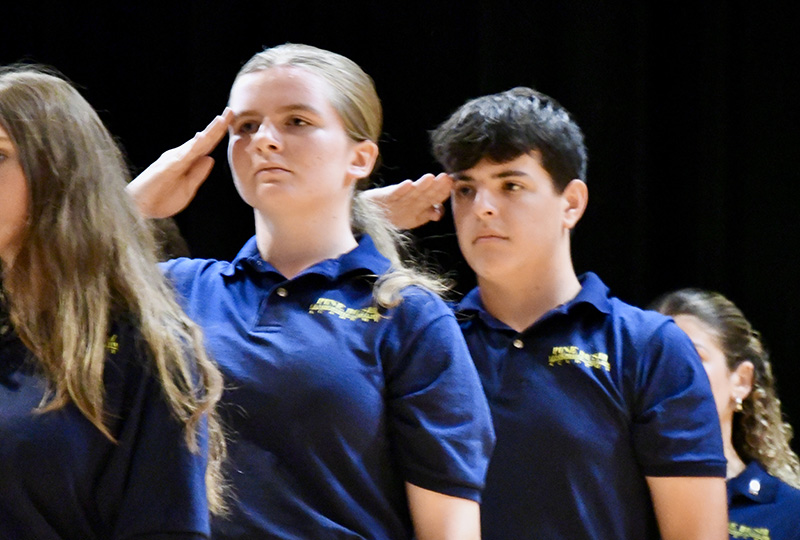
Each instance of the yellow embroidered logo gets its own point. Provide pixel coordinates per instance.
(369, 314)
(573, 355)
(748, 533)
(112, 345)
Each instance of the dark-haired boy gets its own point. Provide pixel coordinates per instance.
(606, 427)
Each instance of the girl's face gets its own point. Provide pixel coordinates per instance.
(288, 148)
(714, 362)
(13, 199)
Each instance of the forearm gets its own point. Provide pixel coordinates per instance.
(690, 508)
(437, 516)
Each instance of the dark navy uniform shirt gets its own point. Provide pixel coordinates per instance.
(334, 404)
(762, 507)
(61, 479)
(586, 402)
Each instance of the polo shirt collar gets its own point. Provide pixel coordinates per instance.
(593, 292)
(753, 483)
(364, 258)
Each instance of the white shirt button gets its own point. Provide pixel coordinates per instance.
(283, 293)
(518, 343)
(754, 486)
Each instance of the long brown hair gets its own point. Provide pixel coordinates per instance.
(355, 100)
(88, 258)
(759, 431)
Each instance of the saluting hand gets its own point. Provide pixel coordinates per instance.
(168, 185)
(413, 204)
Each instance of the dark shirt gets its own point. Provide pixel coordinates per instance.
(588, 401)
(762, 507)
(334, 404)
(61, 479)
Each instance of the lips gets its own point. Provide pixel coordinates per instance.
(489, 236)
(270, 168)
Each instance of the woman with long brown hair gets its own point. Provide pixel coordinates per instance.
(763, 471)
(107, 422)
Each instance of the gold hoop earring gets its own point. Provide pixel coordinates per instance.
(738, 404)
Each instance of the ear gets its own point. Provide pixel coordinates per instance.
(362, 160)
(742, 380)
(575, 196)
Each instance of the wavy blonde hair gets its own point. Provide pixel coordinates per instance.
(759, 430)
(354, 98)
(87, 259)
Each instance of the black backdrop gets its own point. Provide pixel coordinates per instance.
(690, 115)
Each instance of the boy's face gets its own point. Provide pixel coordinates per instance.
(509, 219)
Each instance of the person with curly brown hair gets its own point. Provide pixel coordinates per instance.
(763, 472)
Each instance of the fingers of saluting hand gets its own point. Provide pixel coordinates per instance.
(204, 141)
(411, 204)
(431, 191)
(440, 187)
(168, 185)
(415, 203)
(436, 191)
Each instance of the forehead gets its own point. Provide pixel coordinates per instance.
(280, 85)
(698, 331)
(525, 165)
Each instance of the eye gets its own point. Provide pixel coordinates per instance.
(511, 186)
(298, 121)
(246, 128)
(463, 190)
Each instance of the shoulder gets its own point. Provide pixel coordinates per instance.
(645, 328)
(184, 266)
(196, 277)
(422, 321)
(628, 321)
(421, 304)
(637, 319)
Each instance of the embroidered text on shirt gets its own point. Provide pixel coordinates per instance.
(573, 355)
(747, 533)
(334, 307)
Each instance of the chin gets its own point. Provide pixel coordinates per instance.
(491, 270)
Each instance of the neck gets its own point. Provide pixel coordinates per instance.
(521, 302)
(292, 244)
(735, 463)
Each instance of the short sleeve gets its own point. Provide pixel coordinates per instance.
(676, 429)
(440, 423)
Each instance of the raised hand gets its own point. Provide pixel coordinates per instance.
(412, 204)
(168, 185)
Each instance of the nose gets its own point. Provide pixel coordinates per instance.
(267, 138)
(484, 204)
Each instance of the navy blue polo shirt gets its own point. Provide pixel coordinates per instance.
(586, 402)
(762, 507)
(333, 404)
(61, 479)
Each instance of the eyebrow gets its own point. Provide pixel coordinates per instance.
(502, 174)
(286, 108)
